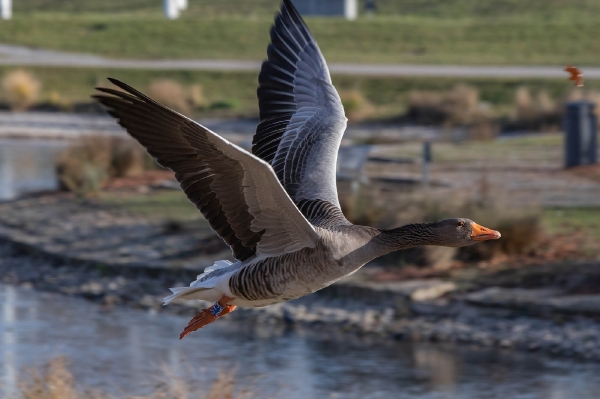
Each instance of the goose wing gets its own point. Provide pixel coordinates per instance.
(236, 192)
(301, 115)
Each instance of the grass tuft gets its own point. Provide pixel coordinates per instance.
(356, 105)
(20, 89)
(170, 93)
(84, 167)
(55, 381)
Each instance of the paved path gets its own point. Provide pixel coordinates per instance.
(23, 56)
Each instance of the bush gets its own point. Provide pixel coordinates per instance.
(356, 106)
(457, 107)
(20, 89)
(169, 93)
(534, 112)
(85, 166)
(224, 104)
(453, 107)
(197, 97)
(521, 229)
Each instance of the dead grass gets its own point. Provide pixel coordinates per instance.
(87, 165)
(535, 111)
(171, 94)
(460, 106)
(55, 381)
(197, 98)
(20, 89)
(522, 230)
(356, 106)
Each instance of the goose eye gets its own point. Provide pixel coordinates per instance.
(461, 223)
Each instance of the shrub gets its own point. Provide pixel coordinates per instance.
(453, 107)
(521, 229)
(224, 104)
(356, 106)
(85, 166)
(457, 107)
(20, 89)
(534, 112)
(197, 97)
(169, 93)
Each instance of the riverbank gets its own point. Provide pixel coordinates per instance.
(420, 310)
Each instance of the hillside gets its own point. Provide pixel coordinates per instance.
(552, 32)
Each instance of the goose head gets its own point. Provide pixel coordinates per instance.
(460, 232)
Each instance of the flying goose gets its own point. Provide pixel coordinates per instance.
(277, 207)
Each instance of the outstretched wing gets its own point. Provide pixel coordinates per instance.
(301, 115)
(236, 192)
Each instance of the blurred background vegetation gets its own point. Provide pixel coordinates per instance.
(440, 32)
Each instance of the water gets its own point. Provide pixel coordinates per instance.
(123, 350)
(27, 166)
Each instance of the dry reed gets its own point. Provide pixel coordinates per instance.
(521, 229)
(85, 166)
(55, 381)
(356, 106)
(169, 93)
(20, 89)
(457, 107)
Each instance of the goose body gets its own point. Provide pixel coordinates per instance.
(277, 207)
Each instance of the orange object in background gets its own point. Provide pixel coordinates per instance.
(576, 75)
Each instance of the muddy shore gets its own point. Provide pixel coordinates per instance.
(421, 310)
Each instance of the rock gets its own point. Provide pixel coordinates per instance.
(588, 305)
(510, 297)
(92, 288)
(427, 290)
(539, 302)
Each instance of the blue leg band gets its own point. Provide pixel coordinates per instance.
(216, 309)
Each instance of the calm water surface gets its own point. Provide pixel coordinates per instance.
(27, 165)
(123, 350)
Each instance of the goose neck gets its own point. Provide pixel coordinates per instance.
(407, 236)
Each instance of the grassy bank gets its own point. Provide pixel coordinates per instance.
(436, 32)
(234, 93)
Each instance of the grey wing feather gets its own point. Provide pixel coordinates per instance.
(301, 115)
(237, 193)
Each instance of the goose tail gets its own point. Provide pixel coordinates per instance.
(204, 287)
(183, 292)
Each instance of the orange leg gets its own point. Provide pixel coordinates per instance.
(207, 316)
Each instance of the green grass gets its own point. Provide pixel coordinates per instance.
(543, 9)
(571, 220)
(77, 85)
(162, 205)
(390, 95)
(553, 32)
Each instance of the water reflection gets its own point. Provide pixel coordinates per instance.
(123, 350)
(9, 341)
(27, 166)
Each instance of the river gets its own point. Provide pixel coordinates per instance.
(28, 166)
(123, 350)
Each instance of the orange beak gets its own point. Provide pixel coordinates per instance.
(481, 233)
